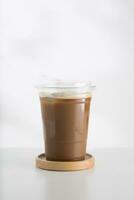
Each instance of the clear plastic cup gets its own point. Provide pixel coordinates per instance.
(65, 107)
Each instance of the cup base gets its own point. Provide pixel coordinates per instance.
(66, 160)
(87, 163)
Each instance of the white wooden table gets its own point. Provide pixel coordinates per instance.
(111, 179)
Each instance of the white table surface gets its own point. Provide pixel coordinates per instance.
(111, 179)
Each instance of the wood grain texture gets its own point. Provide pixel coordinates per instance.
(42, 163)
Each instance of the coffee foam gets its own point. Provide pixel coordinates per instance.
(65, 95)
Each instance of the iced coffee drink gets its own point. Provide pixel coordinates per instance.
(65, 117)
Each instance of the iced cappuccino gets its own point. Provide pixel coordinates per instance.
(65, 115)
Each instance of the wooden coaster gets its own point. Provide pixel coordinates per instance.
(42, 163)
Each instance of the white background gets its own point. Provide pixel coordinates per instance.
(91, 40)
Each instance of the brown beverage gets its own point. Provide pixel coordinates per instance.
(65, 127)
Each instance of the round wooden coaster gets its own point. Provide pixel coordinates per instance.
(42, 163)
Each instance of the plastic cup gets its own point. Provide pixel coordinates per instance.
(65, 107)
